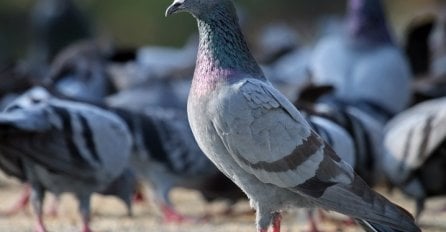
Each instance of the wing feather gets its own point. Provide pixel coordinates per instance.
(270, 139)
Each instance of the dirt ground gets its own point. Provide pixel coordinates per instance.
(109, 215)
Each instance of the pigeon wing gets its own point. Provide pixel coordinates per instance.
(271, 140)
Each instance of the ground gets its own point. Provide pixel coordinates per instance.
(109, 215)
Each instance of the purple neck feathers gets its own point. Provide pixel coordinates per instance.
(223, 53)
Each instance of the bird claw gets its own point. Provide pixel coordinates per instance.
(171, 216)
(277, 219)
(40, 228)
(20, 204)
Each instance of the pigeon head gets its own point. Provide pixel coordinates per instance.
(366, 19)
(201, 9)
(223, 52)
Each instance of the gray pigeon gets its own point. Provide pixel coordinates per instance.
(61, 146)
(365, 131)
(79, 72)
(55, 24)
(369, 70)
(166, 155)
(257, 138)
(416, 151)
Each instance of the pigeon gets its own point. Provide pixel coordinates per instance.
(55, 24)
(79, 72)
(166, 93)
(62, 146)
(366, 132)
(166, 155)
(258, 139)
(369, 71)
(416, 151)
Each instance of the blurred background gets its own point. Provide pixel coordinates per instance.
(133, 23)
(143, 62)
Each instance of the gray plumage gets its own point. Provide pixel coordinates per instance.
(166, 155)
(79, 72)
(369, 68)
(257, 138)
(336, 136)
(416, 155)
(123, 187)
(365, 131)
(62, 147)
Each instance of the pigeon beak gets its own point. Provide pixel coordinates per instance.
(174, 8)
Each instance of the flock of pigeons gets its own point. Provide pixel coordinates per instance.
(97, 120)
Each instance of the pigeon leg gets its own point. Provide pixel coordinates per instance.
(54, 207)
(21, 203)
(37, 195)
(263, 219)
(419, 208)
(313, 225)
(277, 219)
(171, 215)
(139, 196)
(84, 208)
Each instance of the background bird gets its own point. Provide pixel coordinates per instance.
(256, 137)
(369, 71)
(62, 146)
(166, 156)
(415, 142)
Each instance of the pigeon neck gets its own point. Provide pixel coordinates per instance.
(366, 21)
(223, 51)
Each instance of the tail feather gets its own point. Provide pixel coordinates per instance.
(358, 201)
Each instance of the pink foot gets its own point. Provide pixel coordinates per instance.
(86, 229)
(21, 203)
(277, 219)
(86, 224)
(39, 226)
(172, 216)
(139, 197)
(54, 208)
(313, 226)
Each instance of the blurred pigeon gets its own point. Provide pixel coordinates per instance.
(13, 82)
(369, 70)
(169, 93)
(166, 155)
(62, 146)
(365, 131)
(164, 61)
(257, 138)
(79, 72)
(55, 24)
(416, 157)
